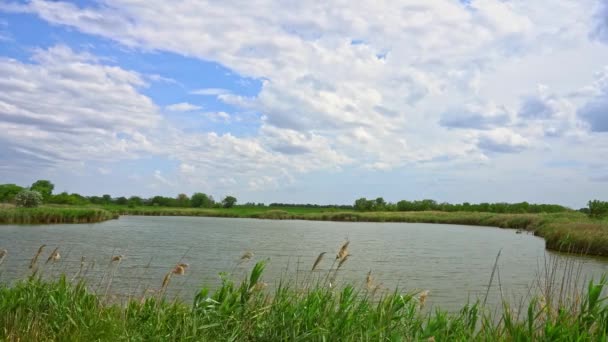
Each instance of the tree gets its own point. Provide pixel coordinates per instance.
(182, 200)
(201, 200)
(8, 192)
(598, 209)
(44, 187)
(229, 202)
(28, 199)
(135, 201)
(122, 200)
(363, 204)
(379, 204)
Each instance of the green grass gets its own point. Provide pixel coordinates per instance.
(567, 232)
(45, 215)
(36, 310)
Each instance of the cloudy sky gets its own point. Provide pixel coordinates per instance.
(308, 101)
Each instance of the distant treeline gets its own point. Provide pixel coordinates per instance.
(308, 205)
(8, 192)
(597, 209)
(379, 204)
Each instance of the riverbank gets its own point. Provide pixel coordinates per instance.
(571, 232)
(51, 215)
(36, 310)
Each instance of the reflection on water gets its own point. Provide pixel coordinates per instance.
(453, 262)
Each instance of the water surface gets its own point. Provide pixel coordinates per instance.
(453, 262)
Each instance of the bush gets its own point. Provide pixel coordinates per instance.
(598, 209)
(28, 199)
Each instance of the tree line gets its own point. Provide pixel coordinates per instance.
(27, 196)
(379, 204)
(41, 191)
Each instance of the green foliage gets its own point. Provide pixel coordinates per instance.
(8, 192)
(44, 187)
(229, 202)
(28, 199)
(201, 200)
(34, 310)
(598, 209)
(182, 200)
(70, 199)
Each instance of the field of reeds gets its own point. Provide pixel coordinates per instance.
(47, 215)
(318, 309)
(572, 232)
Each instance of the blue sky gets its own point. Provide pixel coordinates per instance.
(322, 103)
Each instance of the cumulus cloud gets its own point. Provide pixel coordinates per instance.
(600, 22)
(365, 85)
(65, 106)
(476, 117)
(502, 140)
(595, 111)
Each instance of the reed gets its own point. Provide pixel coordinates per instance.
(39, 310)
(49, 215)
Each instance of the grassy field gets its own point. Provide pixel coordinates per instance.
(567, 232)
(63, 310)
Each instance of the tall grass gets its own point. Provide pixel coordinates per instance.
(37, 310)
(46, 215)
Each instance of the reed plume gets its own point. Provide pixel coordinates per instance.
(247, 256)
(55, 256)
(318, 261)
(117, 258)
(35, 258)
(422, 297)
(343, 252)
(179, 270)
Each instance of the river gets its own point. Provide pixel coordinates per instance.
(453, 262)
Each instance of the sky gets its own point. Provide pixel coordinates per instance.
(308, 101)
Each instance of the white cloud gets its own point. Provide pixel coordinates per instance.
(210, 91)
(374, 85)
(183, 107)
(66, 107)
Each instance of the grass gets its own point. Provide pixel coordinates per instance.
(567, 232)
(62, 310)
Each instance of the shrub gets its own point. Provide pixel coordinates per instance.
(28, 199)
(598, 209)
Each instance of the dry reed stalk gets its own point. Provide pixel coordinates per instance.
(318, 261)
(35, 258)
(342, 261)
(369, 281)
(166, 281)
(3, 254)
